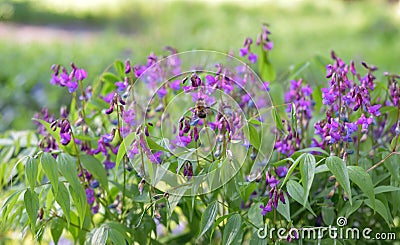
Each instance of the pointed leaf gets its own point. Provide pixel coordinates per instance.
(56, 229)
(63, 200)
(31, 171)
(363, 180)
(307, 171)
(50, 168)
(284, 208)
(208, 218)
(385, 188)
(267, 71)
(232, 228)
(31, 202)
(254, 215)
(296, 191)
(339, 170)
(381, 210)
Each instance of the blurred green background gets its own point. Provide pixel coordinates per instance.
(36, 34)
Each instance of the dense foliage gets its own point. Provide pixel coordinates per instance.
(191, 147)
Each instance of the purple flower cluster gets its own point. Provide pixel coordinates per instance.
(65, 79)
(345, 96)
(188, 170)
(299, 99)
(91, 191)
(263, 39)
(394, 88)
(48, 143)
(246, 51)
(300, 96)
(287, 142)
(275, 194)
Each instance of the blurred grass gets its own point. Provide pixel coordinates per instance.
(300, 30)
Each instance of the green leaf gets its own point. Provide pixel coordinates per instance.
(348, 209)
(31, 171)
(63, 200)
(296, 192)
(291, 169)
(293, 118)
(50, 168)
(392, 166)
(79, 199)
(307, 171)
(267, 71)
(116, 237)
(127, 141)
(316, 149)
(109, 78)
(99, 236)
(94, 166)
(208, 218)
(278, 121)
(256, 240)
(232, 228)
(339, 170)
(385, 188)
(56, 229)
(363, 180)
(284, 209)
(254, 137)
(328, 215)
(119, 67)
(321, 169)
(255, 216)
(381, 209)
(67, 166)
(8, 206)
(254, 121)
(31, 202)
(154, 146)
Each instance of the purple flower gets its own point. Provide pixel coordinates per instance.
(364, 122)
(244, 51)
(107, 138)
(90, 196)
(122, 85)
(65, 138)
(271, 180)
(183, 141)
(80, 74)
(263, 39)
(328, 97)
(72, 86)
(353, 68)
(188, 170)
(252, 58)
(374, 110)
(127, 66)
(281, 171)
(268, 46)
(266, 209)
(155, 157)
(175, 85)
(162, 92)
(109, 164)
